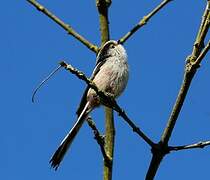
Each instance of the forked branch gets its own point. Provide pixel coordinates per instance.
(192, 64)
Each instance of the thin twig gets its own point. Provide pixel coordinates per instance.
(200, 144)
(99, 138)
(202, 55)
(109, 102)
(143, 21)
(65, 26)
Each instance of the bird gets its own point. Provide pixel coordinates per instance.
(110, 75)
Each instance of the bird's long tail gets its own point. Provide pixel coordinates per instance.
(65, 144)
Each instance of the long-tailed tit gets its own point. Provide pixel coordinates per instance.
(110, 75)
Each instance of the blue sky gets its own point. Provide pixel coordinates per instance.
(32, 45)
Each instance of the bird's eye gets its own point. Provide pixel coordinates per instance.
(112, 46)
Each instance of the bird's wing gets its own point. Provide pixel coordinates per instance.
(100, 60)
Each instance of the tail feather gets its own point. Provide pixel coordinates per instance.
(65, 144)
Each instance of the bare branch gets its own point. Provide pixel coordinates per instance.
(81, 76)
(136, 129)
(65, 26)
(200, 144)
(143, 21)
(103, 9)
(109, 101)
(99, 138)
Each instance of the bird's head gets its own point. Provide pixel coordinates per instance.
(112, 48)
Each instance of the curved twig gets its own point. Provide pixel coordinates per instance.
(44, 81)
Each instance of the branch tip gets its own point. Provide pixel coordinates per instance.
(65, 26)
(143, 21)
(200, 144)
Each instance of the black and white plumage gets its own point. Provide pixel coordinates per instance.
(110, 75)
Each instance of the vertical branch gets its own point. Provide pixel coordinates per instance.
(103, 6)
(109, 142)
